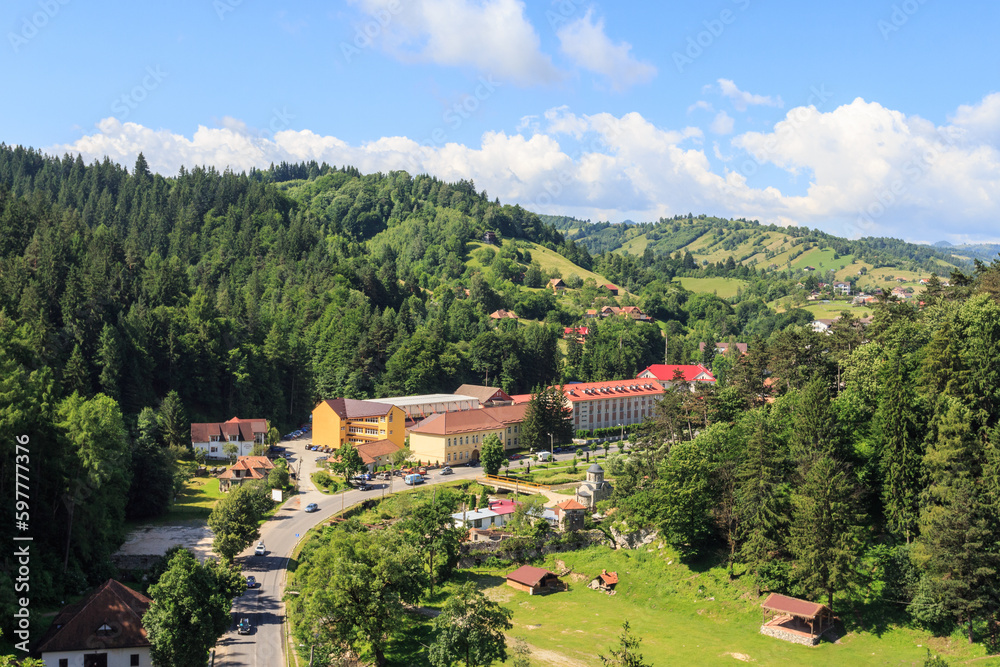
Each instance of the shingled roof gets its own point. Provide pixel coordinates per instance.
(793, 606)
(244, 429)
(447, 423)
(349, 408)
(112, 605)
(529, 576)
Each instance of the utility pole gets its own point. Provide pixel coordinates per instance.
(666, 342)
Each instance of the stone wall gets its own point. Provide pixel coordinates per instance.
(794, 637)
(526, 548)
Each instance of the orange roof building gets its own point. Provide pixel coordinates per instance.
(245, 468)
(603, 404)
(669, 375)
(457, 437)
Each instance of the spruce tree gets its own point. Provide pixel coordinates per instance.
(815, 431)
(957, 547)
(827, 535)
(761, 501)
(900, 455)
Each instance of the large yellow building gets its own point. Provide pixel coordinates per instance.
(342, 420)
(456, 437)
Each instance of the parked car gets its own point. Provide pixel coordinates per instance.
(514, 457)
(384, 476)
(414, 479)
(251, 582)
(472, 464)
(244, 627)
(557, 450)
(447, 471)
(544, 456)
(312, 507)
(260, 550)
(364, 487)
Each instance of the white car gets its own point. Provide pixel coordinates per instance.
(260, 550)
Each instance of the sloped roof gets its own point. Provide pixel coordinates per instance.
(570, 505)
(349, 408)
(609, 577)
(588, 391)
(370, 451)
(484, 394)
(113, 604)
(447, 423)
(529, 576)
(793, 606)
(245, 429)
(251, 464)
(688, 373)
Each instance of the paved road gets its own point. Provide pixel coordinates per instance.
(264, 647)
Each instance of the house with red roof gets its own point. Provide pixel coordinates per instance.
(377, 454)
(611, 288)
(603, 404)
(571, 514)
(670, 375)
(104, 630)
(254, 468)
(244, 433)
(605, 581)
(534, 580)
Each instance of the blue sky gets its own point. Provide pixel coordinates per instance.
(860, 118)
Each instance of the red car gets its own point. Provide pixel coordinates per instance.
(515, 457)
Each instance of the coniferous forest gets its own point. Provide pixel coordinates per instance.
(860, 465)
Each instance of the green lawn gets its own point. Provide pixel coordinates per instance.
(724, 287)
(685, 616)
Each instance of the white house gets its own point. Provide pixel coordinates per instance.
(104, 630)
(478, 519)
(244, 433)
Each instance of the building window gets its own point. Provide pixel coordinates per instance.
(63, 662)
(449, 442)
(133, 660)
(390, 416)
(213, 438)
(215, 449)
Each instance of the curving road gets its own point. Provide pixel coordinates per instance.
(263, 605)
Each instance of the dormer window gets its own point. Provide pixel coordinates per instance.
(105, 631)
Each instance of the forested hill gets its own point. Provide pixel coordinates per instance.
(711, 239)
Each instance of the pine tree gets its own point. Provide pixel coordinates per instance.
(900, 450)
(75, 375)
(956, 550)
(761, 505)
(815, 431)
(827, 532)
(109, 358)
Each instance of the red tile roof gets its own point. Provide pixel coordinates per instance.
(570, 504)
(667, 372)
(589, 391)
(252, 467)
(349, 408)
(112, 604)
(446, 423)
(609, 577)
(370, 451)
(484, 394)
(245, 429)
(529, 576)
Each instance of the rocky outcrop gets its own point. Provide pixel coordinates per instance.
(628, 539)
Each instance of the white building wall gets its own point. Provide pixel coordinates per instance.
(118, 657)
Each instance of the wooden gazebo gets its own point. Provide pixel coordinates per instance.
(795, 620)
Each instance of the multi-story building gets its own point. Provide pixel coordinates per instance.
(345, 420)
(457, 437)
(603, 404)
(668, 375)
(244, 433)
(418, 407)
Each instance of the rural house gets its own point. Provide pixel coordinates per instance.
(557, 285)
(377, 454)
(244, 433)
(571, 515)
(245, 468)
(103, 630)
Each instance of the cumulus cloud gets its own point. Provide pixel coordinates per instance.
(586, 44)
(492, 36)
(869, 170)
(741, 99)
(701, 105)
(722, 123)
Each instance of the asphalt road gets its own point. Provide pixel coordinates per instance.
(263, 605)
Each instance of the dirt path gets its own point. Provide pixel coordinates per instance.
(547, 657)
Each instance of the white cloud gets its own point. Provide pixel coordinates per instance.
(492, 36)
(742, 99)
(701, 105)
(979, 122)
(869, 170)
(722, 123)
(587, 45)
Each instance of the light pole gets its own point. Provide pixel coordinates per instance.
(552, 451)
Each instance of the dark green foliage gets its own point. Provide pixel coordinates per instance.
(626, 652)
(190, 609)
(492, 454)
(548, 419)
(470, 630)
(235, 518)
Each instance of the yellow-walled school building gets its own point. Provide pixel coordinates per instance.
(345, 420)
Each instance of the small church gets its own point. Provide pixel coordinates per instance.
(594, 489)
